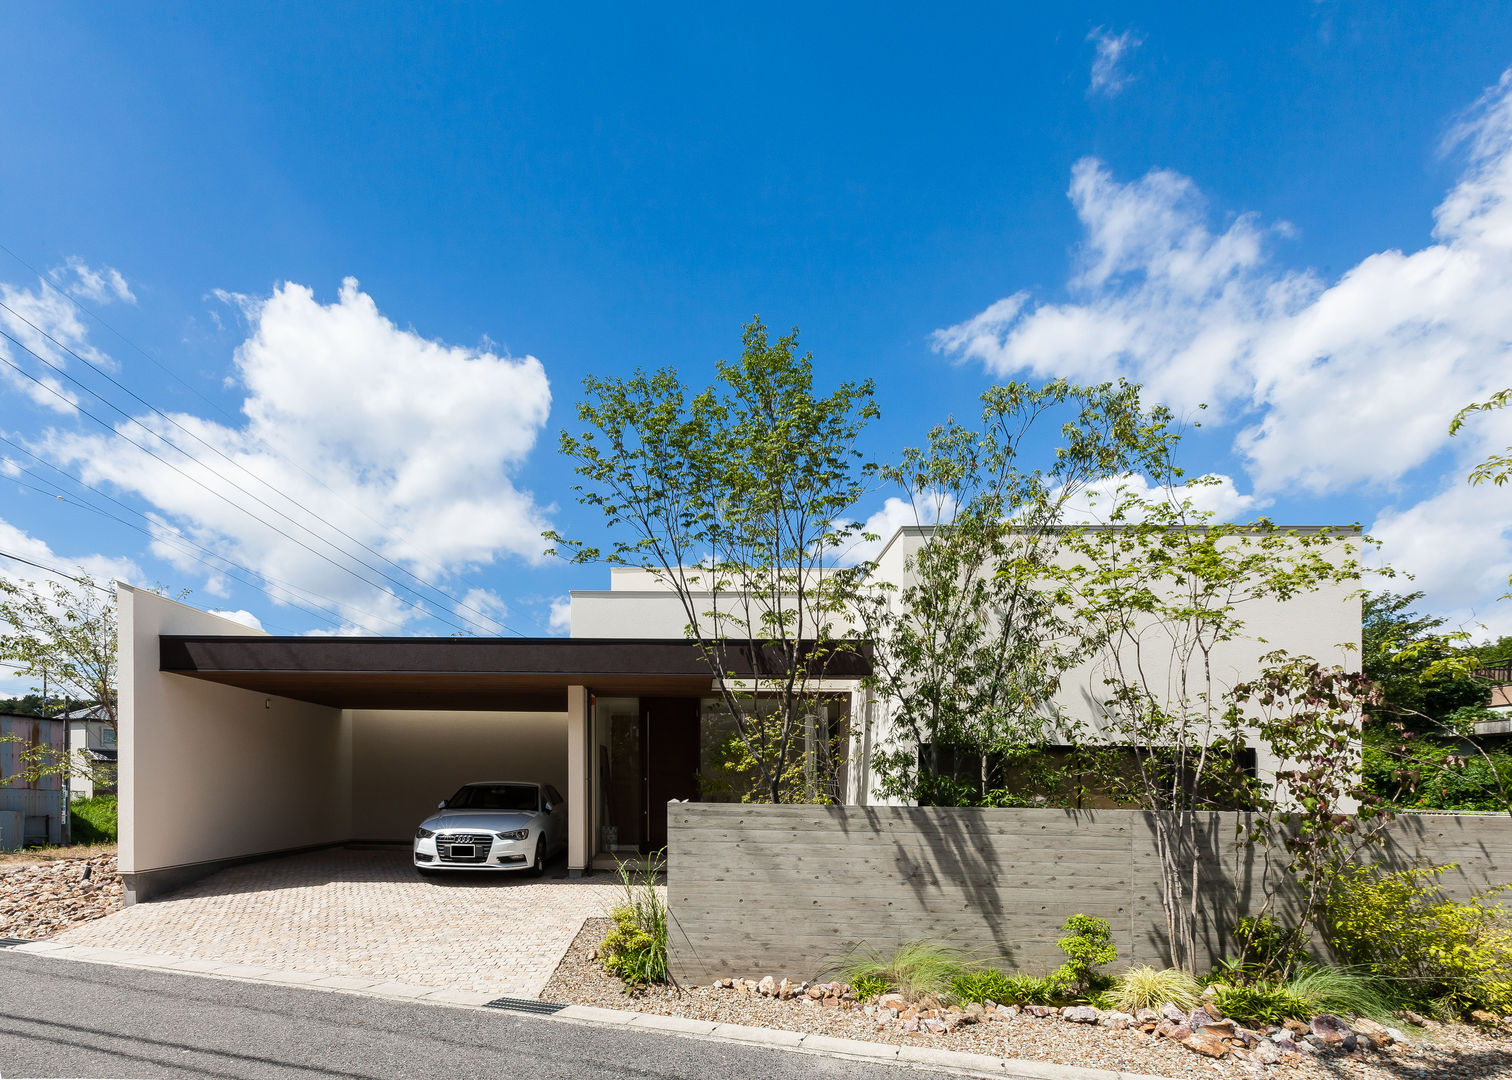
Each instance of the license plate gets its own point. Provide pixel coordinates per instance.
(463, 851)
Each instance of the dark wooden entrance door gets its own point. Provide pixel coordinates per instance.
(669, 752)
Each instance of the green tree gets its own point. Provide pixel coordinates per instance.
(64, 632)
(971, 648)
(735, 497)
(1160, 591)
(1497, 468)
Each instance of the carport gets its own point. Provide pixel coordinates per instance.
(237, 746)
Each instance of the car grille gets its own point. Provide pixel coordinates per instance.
(480, 843)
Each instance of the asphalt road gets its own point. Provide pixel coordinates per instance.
(62, 1018)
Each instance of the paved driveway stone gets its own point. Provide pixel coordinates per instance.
(365, 913)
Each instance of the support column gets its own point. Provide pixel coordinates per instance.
(579, 783)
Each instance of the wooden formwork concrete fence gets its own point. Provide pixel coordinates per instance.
(793, 890)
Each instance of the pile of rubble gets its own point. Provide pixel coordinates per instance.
(44, 898)
(1202, 1030)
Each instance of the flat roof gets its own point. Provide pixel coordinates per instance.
(504, 674)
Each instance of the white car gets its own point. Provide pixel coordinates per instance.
(494, 825)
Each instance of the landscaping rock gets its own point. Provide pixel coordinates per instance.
(1118, 1021)
(1007, 1012)
(892, 1001)
(1199, 1018)
(1173, 1014)
(1205, 1043)
(1265, 1052)
(1407, 1016)
(1080, 1014)
(1040, 1010)
(1481, 1016)
(767, 986)
(785, 990)
(1147, 1016)
(1373, 1031)
(1331, 1031)
(44, 898)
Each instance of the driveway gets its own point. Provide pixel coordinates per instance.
(363, 912)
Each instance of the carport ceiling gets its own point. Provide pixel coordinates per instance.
(504, 674)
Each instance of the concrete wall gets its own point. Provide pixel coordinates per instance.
(405, 761)
(790, 890)
(211, 772)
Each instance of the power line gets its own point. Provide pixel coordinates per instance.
(199, 483)
(221, 453)
(177, 540)
(69, 298)
(60, 573)
(309, 594)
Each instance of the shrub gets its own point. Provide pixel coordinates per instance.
(1088, 942)
(866, 987)
(93, 821)
(636, 949)
(990, 984)
(1262, 1002)
(1440, 954)
(1145, 987)
(1266, 948)
(1311, 990)
(915, 969)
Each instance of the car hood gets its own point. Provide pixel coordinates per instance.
(491, 820)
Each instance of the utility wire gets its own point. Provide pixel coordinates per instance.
(492, 620)
(177, 541)
(221, 453)
(309, 594)
(220, 476)
(199, 483)
(60, 573)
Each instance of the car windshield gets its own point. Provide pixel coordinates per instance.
(494, 797)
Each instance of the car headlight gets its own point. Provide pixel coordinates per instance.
(517, 834)
(424, 833)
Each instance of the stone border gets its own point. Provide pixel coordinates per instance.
(919, 1057)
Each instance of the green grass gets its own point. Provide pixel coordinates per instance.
(1311, 990)
(636, 949)
(916, 969)
(93, 821)
(990, 984)
(1145, 987)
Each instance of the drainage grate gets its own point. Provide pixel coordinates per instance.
(11, 942)
(525, 1005)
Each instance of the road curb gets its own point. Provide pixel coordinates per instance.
(915, 1057)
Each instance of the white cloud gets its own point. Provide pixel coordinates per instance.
(102, 286)
(1336, 385)
(246, 618)
(1458, 546)
(560, 620)
(1214, 494)
(929, 508)
(1110, 51)
(406, 444)
(485, 607)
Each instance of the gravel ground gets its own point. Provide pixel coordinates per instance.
(1450, 1051)
(44, 898)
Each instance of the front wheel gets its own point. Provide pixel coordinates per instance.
(538, 867)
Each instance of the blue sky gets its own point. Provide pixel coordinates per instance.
(1297, 215)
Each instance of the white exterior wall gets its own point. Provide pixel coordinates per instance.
(213, 772)
(1321, 624)
(404, 761)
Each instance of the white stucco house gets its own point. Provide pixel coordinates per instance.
(237, 745)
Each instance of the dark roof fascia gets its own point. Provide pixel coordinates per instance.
(579, 657)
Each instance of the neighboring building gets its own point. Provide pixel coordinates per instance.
(31, 812)
(92, 746)
(1498, 701)
(236, 744)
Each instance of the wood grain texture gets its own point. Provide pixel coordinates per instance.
(793, 890)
